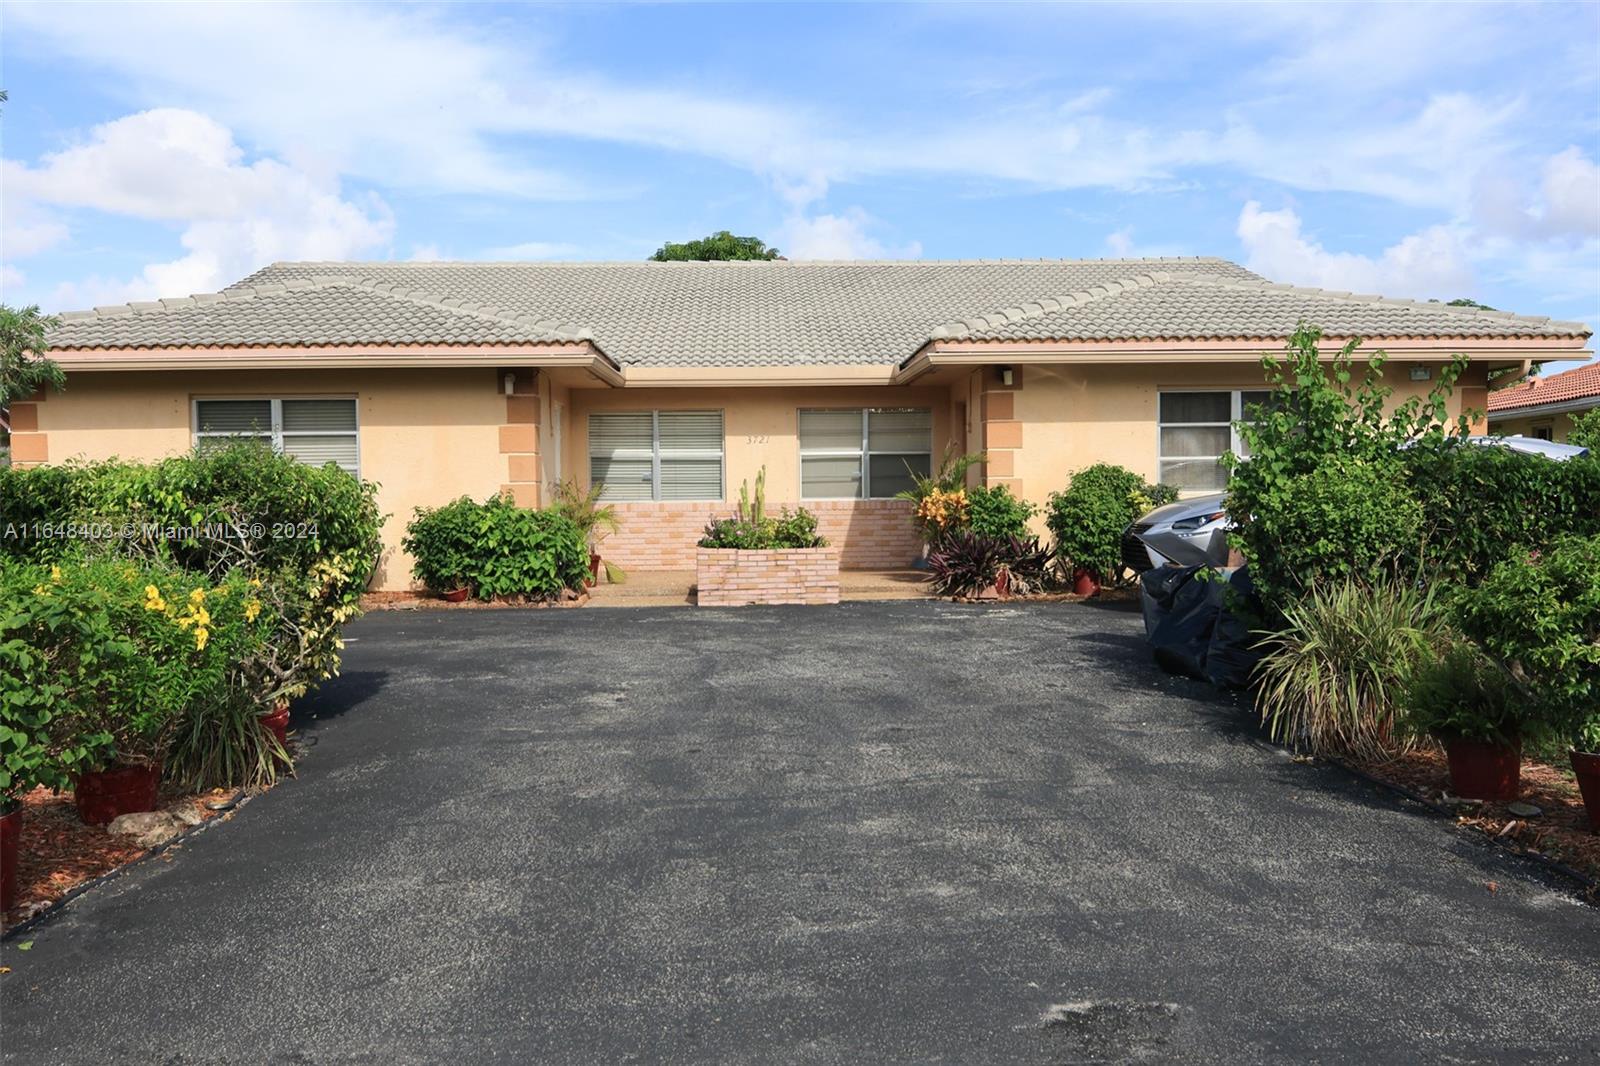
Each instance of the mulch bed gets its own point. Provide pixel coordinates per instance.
(57, 852)
(421, 601)
(1560, 832)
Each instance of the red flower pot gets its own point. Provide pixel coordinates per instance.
(10, 831)
(594, 568)
(277, 723)
(1002, 582)
(102, 795)
(1084, 584)
(1586, 765)
(1485, 770)
(456, 595)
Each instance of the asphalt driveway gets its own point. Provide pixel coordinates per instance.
(870, 833)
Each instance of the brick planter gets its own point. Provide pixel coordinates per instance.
(730, 577)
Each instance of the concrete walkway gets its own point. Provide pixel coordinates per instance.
(871, 833)
(675, 588)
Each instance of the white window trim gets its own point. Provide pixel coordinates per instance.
(276, 433)
(864, 454)
(1236, 414)
(721, 454)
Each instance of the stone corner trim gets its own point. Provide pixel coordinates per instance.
(733, 577)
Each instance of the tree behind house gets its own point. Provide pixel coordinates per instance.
(720, 245)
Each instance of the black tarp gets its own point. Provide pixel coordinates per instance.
(1199, 622)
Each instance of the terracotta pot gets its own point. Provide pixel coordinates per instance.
(277, 723)
(1484, 770)
(1084, 584)
(594, 568)
(456, 595)
(10, 832)
(1586, 765)
(1002, 582)
(102, 795)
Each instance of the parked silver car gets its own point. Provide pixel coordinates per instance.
(1194, 532)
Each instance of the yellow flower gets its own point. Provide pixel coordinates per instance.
(55, 573)
(251, 610)
(200, 638)
(197, 596)
(255, 582)
(185, 622)
(202, 616)
(40, 590)
(151, 592)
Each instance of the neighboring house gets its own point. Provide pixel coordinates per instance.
(672, 383)
(1543, 407)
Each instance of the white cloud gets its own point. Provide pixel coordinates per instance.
(841, 236)
(1434, 263)
(20, 238)
(10, 276)
(175, 166)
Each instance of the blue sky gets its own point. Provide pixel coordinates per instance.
(1413, 150)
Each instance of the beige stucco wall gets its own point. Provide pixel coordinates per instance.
(427, 436)
(1560, 425)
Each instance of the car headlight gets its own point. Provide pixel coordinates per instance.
(1194, 522)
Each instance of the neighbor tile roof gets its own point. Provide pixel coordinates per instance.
(1188, 306)
(318, 310)
(764, 313)
(1580, 383)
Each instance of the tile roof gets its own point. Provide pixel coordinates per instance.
(1570, 386)
(763, 313)
(317, 310)
(1187, 306)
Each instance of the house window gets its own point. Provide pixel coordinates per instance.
(1544, 431)
(656, 455)
(863, 454)
(313, 431)
(1196, 430)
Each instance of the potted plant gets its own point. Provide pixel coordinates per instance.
(1475, 709)
(940, 499)
(1585, 757)
(595, 522)
(1088, 517)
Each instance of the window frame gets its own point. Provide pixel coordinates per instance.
(277, 432)
(864, 455)
(1236, 415)
(655, 451)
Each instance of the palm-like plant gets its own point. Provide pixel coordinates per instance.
(594, 522)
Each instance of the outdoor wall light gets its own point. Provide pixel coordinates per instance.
(511, 383)
(1005, 376)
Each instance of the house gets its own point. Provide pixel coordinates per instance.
(671, 383)
(1543, 407)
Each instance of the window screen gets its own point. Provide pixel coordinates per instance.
(313, 432)
(863, 453)
(656, 455)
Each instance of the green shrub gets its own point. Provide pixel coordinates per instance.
(1538, 615)
(1459, 694)
(796, 529)
(497, 549)
(103, 660)
(1343, 519)
(1478, 502)
(1332, 680)
(1087, 518)
(312, 532)
(1322, 416)
(994, 512)
(1585, 431)
(442, 543)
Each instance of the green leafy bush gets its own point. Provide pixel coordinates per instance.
(1332, 680)
(1323, 416)
(1088, 517)
(103, 662)
(1479, 502)
(1459, 694)
(312, 532)
(497, 549)
(442, 543)
(995, 512)
(1538, 615)
(1343, 519)
(796, 529)
(1585, 431)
